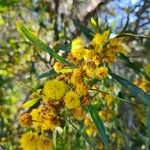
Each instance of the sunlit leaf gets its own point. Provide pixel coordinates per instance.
(30, 103)
(41, 45)
(93, 21)
(65, 70)
(99, 22)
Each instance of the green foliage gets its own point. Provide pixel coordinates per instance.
(135, 90)
(41, 45)
(99, 125)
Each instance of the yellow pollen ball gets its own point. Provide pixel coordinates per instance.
(72, 100)
(25, 120)
(28, 140)
(77, 48)
(45, 143)
(81, 89)
(101, 72)
(58, 66)
(54, 89)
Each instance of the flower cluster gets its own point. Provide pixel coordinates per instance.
(72, 89)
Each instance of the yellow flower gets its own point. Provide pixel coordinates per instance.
(50, 118)
(44, 119)
(25, 120)
(101, 72)
(90, 72)
(54, 89)
(143, 84)
(71, 58)
(58, 66)
(97, 60)
(99, 40)
(105, 115)
(89, 54)
(72, 100)
(37, 118)
(81, 89)
(90, 131)
(28, 141)
(77, 48)
(32, 141)
(78, 113)
(77, 76)
(45, 143)
(109, 99)
(87, 122)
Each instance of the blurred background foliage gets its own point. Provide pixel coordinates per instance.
(57, 22)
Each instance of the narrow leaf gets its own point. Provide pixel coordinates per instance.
(134, 65)
(66, 70)
(84, 137)
(99, 125)
(126, 24)
(30, 103)
(49, 73)
(135, 90)
(93, 22)
(41, 45)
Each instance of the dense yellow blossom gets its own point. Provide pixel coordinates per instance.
(109, 100)
(29, 141)
(89, 68)
(101, 72)
(105, 115)
(90, 72)
(50, 118)
(87, 122)
(54, 89)
(90, 131)
(45, 143)
(72, 59)
(58, 66)
(99, 40)
(45, 119)
(89, 54)
(90, 127)
(77, 76)
(25, 120)
(72, 100)
(32, 141)
(81, 88)
(37, 118)
(77, 48)
(79, 113)
(143, 84)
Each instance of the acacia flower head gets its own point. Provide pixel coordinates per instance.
(54, 89)
(72, 100)
(25, 120)
(77, 48)
(101, 72)
(28, 140)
